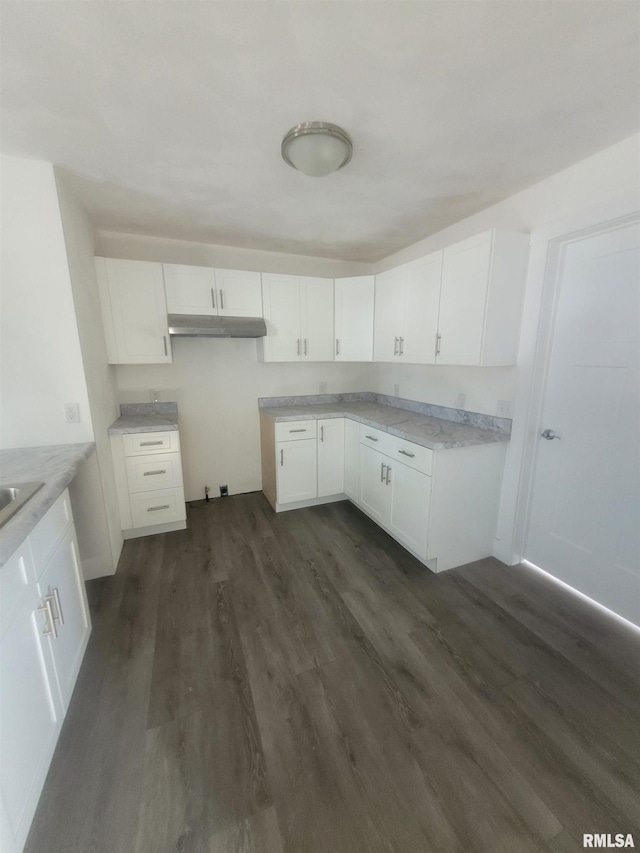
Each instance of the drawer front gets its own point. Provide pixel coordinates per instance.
(295, 430)
(378, 440)
(50, 530)
(140, 443)
(148, 473)
(15, 576)
(159, 507)
(413, 455)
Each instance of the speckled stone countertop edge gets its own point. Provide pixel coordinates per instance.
(145, 417)
(55, 466)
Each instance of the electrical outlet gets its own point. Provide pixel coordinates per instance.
(461, 401)
(323, 387)
(504, 408)
(396, 390)
(224, 491)
(154, 395)
(72, 413)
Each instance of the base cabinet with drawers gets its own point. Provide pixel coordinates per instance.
(148, 472)
(45, 629)
(441, 505)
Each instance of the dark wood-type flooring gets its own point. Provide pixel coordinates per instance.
(262, 683)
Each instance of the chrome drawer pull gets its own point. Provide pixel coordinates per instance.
(371, 438)
(156, 508)
(50, 630)
(150, 443)
(382, 467)
(213, 298)
(153, 473)
(322, 434)
(406, 453)
(388, 480)
(221, 299)
(54, 596)
(298, 430)
(282, 458)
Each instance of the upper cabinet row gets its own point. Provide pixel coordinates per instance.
(460, 305)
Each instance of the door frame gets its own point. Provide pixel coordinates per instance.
(536, 339)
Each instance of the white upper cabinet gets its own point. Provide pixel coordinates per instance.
(406, 311)
(298, 311)
(204, 290)
(134, 311)
(353, 298)
(481, 297)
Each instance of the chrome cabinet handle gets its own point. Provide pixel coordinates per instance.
(153, 473)
(213, 298)
(298, 430)
(298, 346)
(549, 434)
(149, 443)
(395, 346)
(388, 480)
(156, 508)
(221, 299)
(371, 437)
(282, 458)
(401, 346)
(322, 434)
(438, 339)
(50, 629)
(164, 341)
(382, 467)
(406, 453)
(337, 346)
(305, 347)
(54, 596)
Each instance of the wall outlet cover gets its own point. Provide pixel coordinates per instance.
(323, 387)
(504, 408)
(72, 413)
(461, 401)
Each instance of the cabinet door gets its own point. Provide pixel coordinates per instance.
(352, 460)
(239, 293)
(410, 501)
(281, 303)
(190, 290)
(30, 710)
(420, 323)
(134, 311)
(316, 311)
(63, 583)
(463, 296)
(390, 292)
(297, 467)
(375, 495)
(330, 456)
(354, 318)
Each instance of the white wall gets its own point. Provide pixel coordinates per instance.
(102, 544)
(41, 362)
(216, 384)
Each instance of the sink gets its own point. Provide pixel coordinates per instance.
(13, 496)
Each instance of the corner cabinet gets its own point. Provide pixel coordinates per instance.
(45, 629)
(353, 301)
(298, 311)
(134, 311)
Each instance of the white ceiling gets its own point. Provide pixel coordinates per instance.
(171, 114)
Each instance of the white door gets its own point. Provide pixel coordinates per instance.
(190, 290)
(281, 302)
(316, 311)
(410, 499)
(420, 325)
(330, 457)
(390, 294)
(297, 468)
(354, 318)
(585, 507)
(375, 494)
(239, 293)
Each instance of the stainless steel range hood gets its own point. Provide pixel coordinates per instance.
(205, 326)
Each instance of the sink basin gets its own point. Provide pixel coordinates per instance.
(13, 496)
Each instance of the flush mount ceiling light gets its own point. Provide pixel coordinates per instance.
(317, 148)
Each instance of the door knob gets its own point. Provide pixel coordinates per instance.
(549, 434)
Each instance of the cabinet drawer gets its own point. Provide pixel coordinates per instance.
(159, 507)
(377, 439)
(295, 430)
(50, 530)
(413, 455)
(137, 444)
(160, 471)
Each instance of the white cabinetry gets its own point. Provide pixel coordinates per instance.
(297, 470)
(134, 311)
(406, 311)
(481, 299)
(330, 457)
(351, 459)
(354, 300)
(45, 630)
(204, 290)
(148, 471)
(298, 311)
(375, 496)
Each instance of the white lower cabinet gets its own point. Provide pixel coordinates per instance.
(375, 496)
(410, 500)
(330, 457)
(45, 630)
(297, 474)
(351, 459)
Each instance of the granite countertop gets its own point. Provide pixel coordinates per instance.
(145, 417)
(416, 422)
(55, 466)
